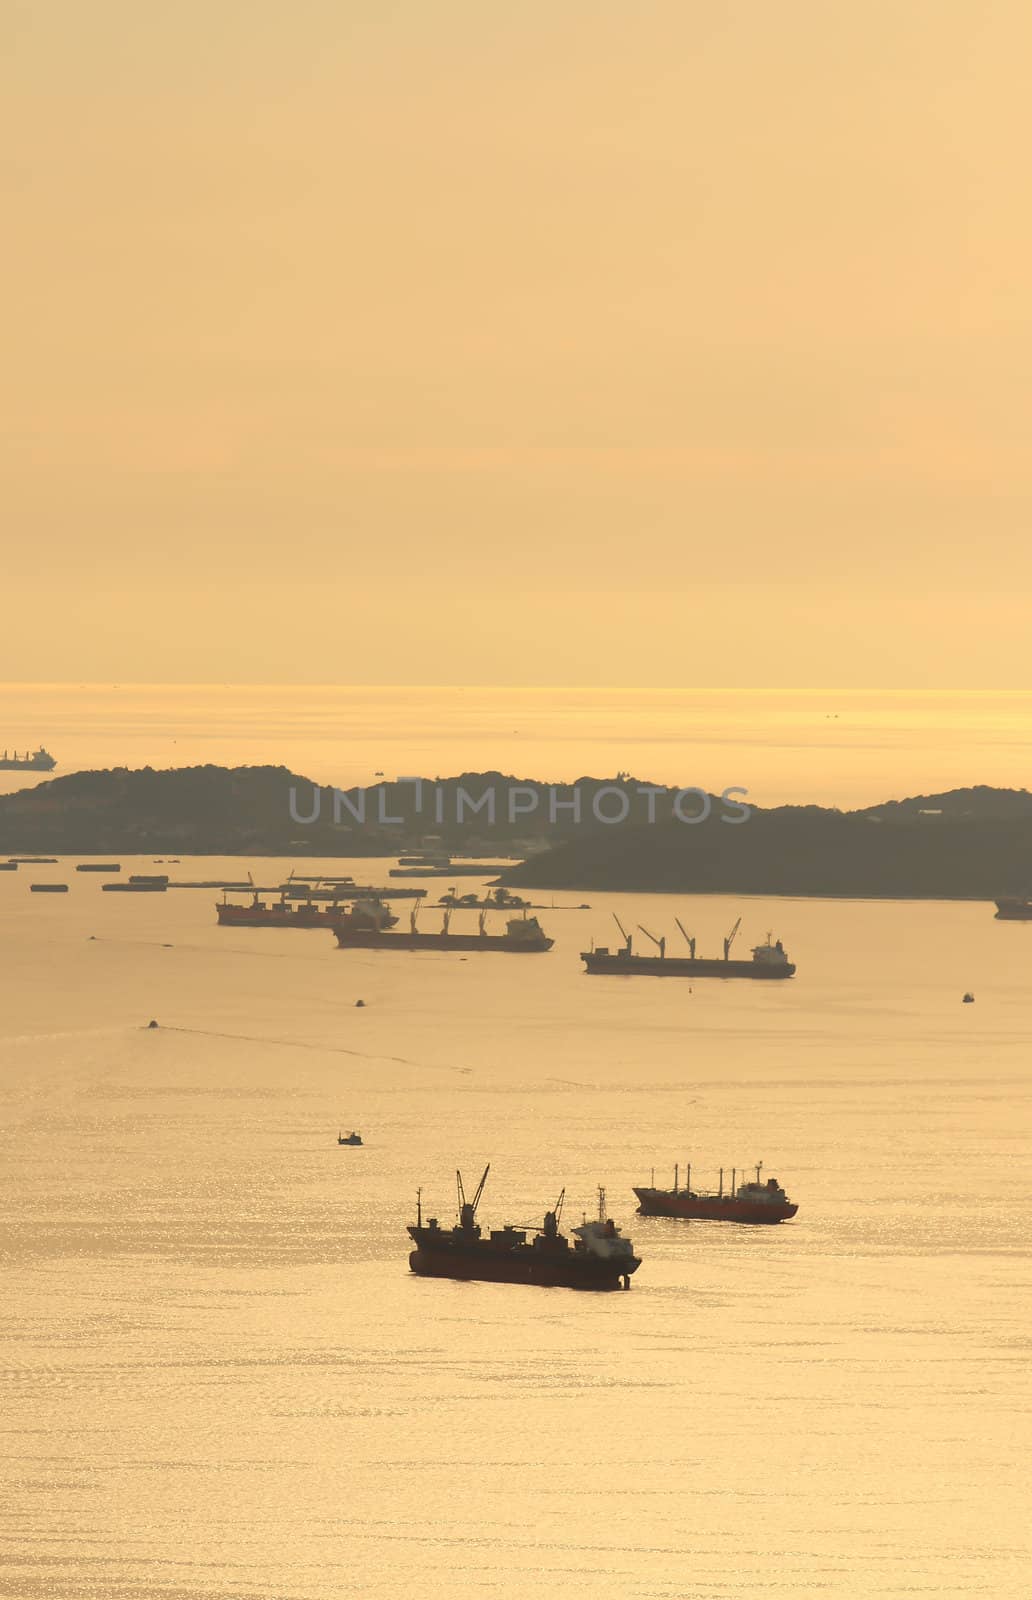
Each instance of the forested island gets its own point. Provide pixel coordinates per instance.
(615, 833)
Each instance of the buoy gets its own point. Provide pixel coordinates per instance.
(968, 1000)
(360, 1002)
(152, 1023)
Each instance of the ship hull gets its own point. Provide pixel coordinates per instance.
(355, 892)
(681, 967)
(133, 888)
(491, 870)
(528, 1267)
(1014, 910)
(710, 1208)
(348, 940)
(279, 917)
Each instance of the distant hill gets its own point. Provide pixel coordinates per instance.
(205, 810)
(802, 851)
(271, 810)
(959, 805)
(973, 843)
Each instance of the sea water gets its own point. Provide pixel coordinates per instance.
(220, 1378)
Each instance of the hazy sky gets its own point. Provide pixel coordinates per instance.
(563, 341)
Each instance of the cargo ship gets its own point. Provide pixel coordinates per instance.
(136, 886)
(769, 960)
(754, 1201)
(333, 889)
(283, 913)
(40, 761)
(452, 869)
(1014, 908)
(522, 934)
(599, 1257)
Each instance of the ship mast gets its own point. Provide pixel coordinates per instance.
(551, 1225)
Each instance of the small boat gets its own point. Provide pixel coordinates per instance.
(599, 1257)
(8, 866)
(749, 1202)
(48, 888)
(99, 866)
(351, 1138)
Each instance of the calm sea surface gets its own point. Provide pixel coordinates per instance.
(221, 1380)
(831, 747)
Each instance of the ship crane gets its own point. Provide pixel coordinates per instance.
(729, 941)
(623, 930)
(551, 1227)
(468, 1208)
(659, 943)
(688, 937)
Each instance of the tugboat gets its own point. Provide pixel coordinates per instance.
(599, 1257)
(769, 960)
(351, 1138)
(521, 934)
(750, 1202)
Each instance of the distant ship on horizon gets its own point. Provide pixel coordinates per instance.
(40, 761)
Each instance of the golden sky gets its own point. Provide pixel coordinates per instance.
(571, 341)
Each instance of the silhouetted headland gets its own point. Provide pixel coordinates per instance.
(968, 843)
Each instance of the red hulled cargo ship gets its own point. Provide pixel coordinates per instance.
(364, 915)
(599, 1257)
